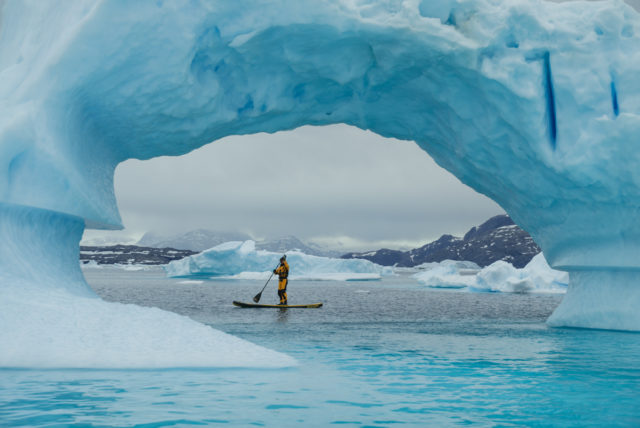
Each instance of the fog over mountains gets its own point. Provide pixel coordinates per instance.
(496, 239)
(202, 239)
(195, 240)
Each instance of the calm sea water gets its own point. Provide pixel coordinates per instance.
(378, 354)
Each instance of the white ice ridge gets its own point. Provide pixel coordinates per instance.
(60, 330)
(535, 104)
(238, 259)
(536, 277)
(49, 317)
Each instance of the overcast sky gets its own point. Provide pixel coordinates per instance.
(336, 185)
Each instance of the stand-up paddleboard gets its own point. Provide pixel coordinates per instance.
(253, 305)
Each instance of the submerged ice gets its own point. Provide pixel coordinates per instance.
(242, 260)
(535, 104)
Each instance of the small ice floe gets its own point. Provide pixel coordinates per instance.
(500, 276)
(536, 277)
(448, 274)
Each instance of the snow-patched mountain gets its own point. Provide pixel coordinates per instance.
(131, 255)
(203, 239)
(195, 240)
(496, 239)
(156, 249)
(291, 243)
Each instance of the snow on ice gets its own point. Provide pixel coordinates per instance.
(49, 322)
(536, 277)
(241, 260)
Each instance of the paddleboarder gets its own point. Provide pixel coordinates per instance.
(283, 274)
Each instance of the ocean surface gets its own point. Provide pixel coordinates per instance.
(387, 353)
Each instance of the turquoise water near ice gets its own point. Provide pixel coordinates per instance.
(382, 353)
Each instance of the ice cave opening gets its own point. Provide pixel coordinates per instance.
(334, 185)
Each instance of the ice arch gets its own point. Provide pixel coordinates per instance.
(534, 104)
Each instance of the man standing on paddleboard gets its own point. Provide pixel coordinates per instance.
(283, 273)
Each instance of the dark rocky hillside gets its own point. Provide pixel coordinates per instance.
(496, 239)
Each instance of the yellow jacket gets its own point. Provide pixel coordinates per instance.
(283, 270)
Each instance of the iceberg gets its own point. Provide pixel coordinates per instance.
(241, 260)
(535, 104)
(447, 274)
(536, 277)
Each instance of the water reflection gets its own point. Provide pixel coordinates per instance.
(283, 315)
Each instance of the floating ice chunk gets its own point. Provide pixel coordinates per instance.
(535, 277)
(240, 260)
(448, 274)
(501, 276)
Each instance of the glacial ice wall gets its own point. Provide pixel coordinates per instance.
(535, 104)
(241, 260)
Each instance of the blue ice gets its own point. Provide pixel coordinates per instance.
(532, 103)
(237, 259)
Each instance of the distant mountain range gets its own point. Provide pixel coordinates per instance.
(131, 255)
(202, 239)
(158, 250)
(496, 239)
(288, 243)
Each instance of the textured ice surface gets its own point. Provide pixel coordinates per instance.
(448, 274)
(535, 104)
(606, 299)
(536, 277)
(59, 329)
(49, 317)
(241, 260)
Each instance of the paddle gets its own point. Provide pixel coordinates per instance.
(257, 297)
